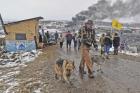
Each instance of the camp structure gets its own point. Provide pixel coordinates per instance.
(22, 35)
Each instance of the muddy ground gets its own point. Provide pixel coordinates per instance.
(121, 75)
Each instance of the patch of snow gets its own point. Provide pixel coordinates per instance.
(111, 49)
(9, 75)
(37, 91)
(9, 80)
(19, 58)
(9, 64)
(11, 86)
(131, 54)
(2, 36)
(52, 30)
(16, 60)
(107, 20)
(28, 59)
(125, 52)
(15, 83)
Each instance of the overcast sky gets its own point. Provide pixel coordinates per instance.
(49, 9)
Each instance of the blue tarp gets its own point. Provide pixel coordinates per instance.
(20, 45)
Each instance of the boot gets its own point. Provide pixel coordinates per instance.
(90, 73)
(116, 52)
(107, 57)
(90, 76)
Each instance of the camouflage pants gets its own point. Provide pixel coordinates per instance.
(86, 60)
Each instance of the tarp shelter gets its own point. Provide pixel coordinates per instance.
(22, 35)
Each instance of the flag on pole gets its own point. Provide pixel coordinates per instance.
(116, 24)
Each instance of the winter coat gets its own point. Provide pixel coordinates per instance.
(102, 41)
(56, 35)
(75, 38)
(40, 38)
(108, 41)
(61, 39)
(116, 41)
(47, 35)
(85, 32)
(69, 37)
(90, 33)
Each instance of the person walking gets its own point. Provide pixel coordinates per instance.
(79, 42)
(68, 39)
(47, 36)
(116, 43)
(86, 32)
(75, 40)
(61, 40)
(42, 37)
(107, 44)
(102, 43)
(56, 36)
(86, 59)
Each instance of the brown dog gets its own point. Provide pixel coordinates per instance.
(64, 69)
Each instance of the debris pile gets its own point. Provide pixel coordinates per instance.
(17, 57)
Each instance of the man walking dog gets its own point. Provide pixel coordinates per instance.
(87, 39)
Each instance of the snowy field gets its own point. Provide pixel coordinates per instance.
(14, 59)
(10, 66)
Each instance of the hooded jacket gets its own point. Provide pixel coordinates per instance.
(107, 41)
(116, 41)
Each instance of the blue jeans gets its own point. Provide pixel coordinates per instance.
(106, 49)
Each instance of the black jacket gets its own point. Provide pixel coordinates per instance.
(116, 41)
(107, 41)
(69, 37)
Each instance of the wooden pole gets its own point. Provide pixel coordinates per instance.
(3, 24)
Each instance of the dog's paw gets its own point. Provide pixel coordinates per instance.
(56, 77)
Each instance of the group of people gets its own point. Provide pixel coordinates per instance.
(107, 41)
(69, 38)
(45, 37)
(84, 39)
